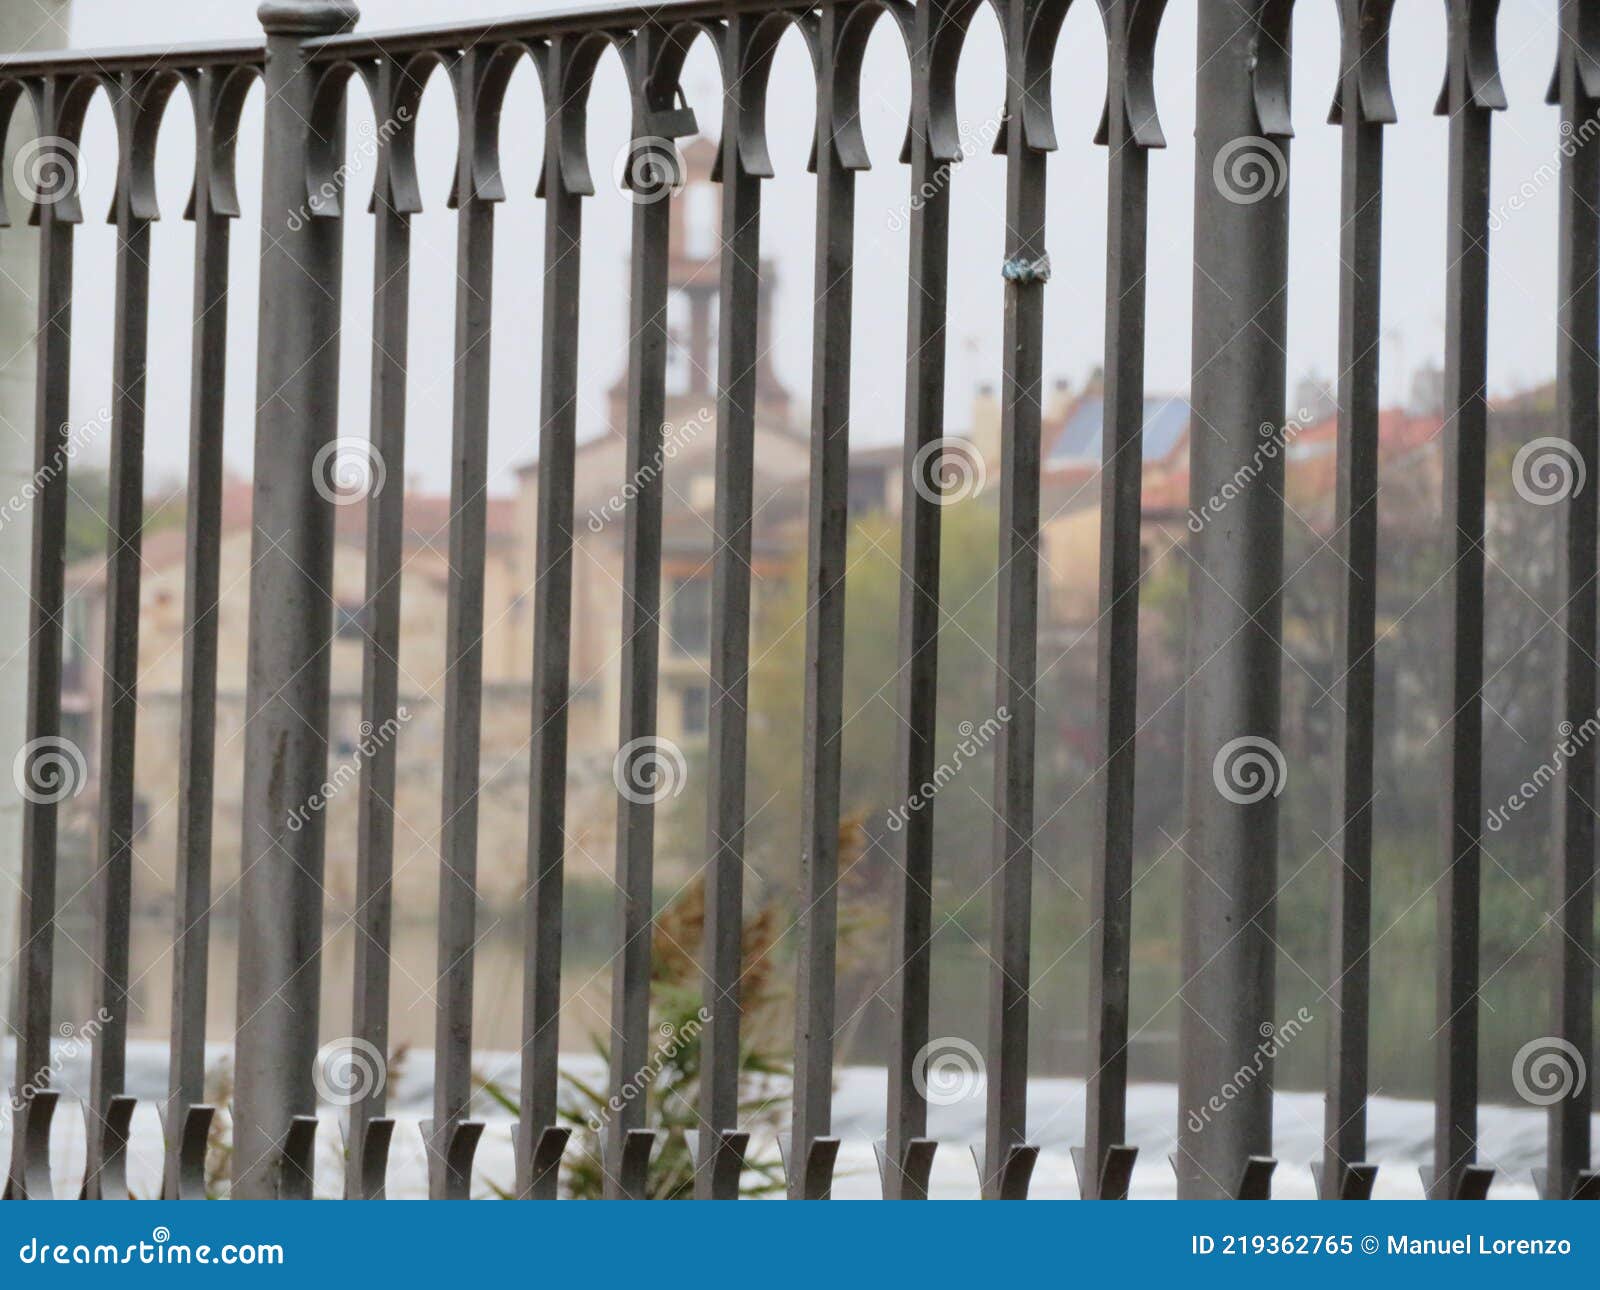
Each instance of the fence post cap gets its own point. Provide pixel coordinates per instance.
(308, 17)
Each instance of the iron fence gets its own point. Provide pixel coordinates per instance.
(311, 59)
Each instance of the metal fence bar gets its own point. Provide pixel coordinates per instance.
(1007, 1161)
(748, 42)
(286, 696)
(907, 1152)
(1361, 109)
(840, 151)
(452, 1135)
(1577, 91)
(1234, 613)
(655, 57)
(564, 183)
(1128, 131)
(1234, 767)
(49, 773)
(218, 97)
(395, 199)
(138, 101)
(1472, 91)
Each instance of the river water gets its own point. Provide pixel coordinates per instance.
(1511, 1138)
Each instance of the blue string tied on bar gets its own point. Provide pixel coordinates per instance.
(1022, 269)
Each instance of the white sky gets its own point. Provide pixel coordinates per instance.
(1522, 308)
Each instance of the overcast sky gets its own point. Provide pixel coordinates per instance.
(1522, 307)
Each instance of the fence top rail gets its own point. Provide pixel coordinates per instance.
(558, 22)
(133, 58)
(370, 44)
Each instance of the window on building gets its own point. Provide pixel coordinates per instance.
(689, 623)
(696, 715)
(700, 220)
(349, 622)
(679, 345)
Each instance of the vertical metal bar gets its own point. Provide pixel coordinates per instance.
(48, 777)
(1026, 270)
(552, 624)
(739, 260)
(927, 296)
(106, 1111)
(1578, 397)
(463, 695)
(286, 697)
(392, 208)
(641, 605)
(1356, 543)
(1235, 616)
(1117, 646)
(1471, 24)
(191, 932)
(828, 530)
